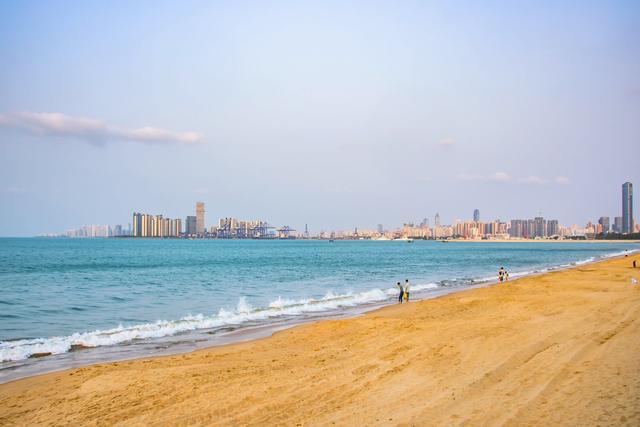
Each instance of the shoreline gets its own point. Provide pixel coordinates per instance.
(461, 349)
(239, 335)
(205, 338)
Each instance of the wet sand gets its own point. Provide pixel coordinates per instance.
(556, 349)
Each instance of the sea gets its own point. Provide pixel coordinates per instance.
(71, 302)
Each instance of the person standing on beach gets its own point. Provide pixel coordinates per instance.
(501, 274)
(506, 276)
(401, 292)
(406, 290)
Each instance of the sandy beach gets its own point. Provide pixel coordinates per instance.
(557, 349)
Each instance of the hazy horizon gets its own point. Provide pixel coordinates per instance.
(335, 115)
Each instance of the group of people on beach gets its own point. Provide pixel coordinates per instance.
(403, 296)
(503, 275)
(404, 291)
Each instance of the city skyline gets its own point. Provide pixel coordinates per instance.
(148, 225)
(309, 113)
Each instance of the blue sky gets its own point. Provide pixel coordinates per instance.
(335, 114)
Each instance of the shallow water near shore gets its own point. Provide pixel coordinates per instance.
(85, 301)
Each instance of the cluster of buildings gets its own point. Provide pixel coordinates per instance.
(145, 225)
(621, 224)
(535, 228)
(99, 231)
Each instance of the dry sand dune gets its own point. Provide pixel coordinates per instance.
(558, 349)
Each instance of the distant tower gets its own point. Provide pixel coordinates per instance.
(627, 207)
(436, 221)
(306, 231)
(476, 215)
(380, 229)
(200, 218)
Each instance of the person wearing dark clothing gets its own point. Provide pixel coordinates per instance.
(401, 292)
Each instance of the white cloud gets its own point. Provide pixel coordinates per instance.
(533, 179)
(92, 130)
(500, 177)
(447, 142)
(495, 177)
(562, 180)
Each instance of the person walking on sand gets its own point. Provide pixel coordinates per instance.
(501, 274)
(401, 292)
(406, 290)
(506, 276)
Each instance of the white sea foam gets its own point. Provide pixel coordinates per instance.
(243, 313)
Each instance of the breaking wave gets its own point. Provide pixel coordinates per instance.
(242, 314)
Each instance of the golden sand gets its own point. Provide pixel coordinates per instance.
(558, 349)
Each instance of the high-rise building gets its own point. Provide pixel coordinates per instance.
(380, 229)
(436, 221)
(617, 224)
(191, 225)
(553, 228)
(540, 229)
(604, 222)
(517, 228)
(627, 207)
(137, 225)
(476, 215)
(199, 218)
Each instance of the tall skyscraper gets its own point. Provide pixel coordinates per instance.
(436, 221)
(604, 222)
(553, 228)
(627, 207)
(191, 225)
(200, 218)
(476, 215)
(137, 224)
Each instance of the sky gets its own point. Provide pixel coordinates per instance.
(332, 114)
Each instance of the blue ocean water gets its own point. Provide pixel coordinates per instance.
(59, 293)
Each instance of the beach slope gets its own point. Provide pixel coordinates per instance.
(562, 348)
